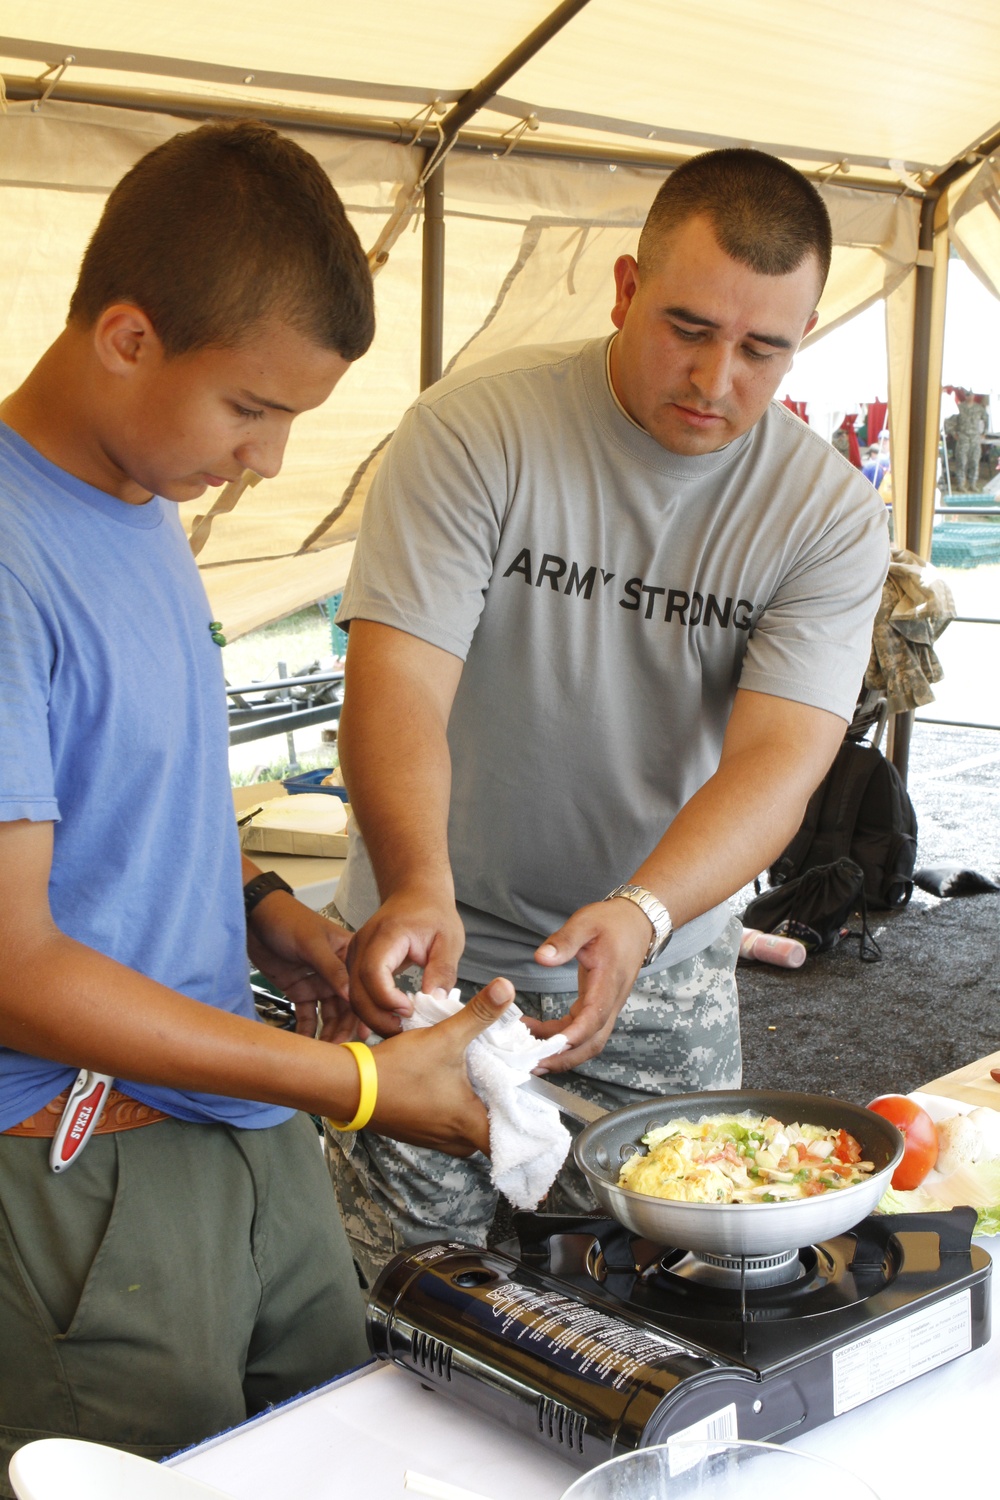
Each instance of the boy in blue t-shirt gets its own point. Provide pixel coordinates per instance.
(190, 1267)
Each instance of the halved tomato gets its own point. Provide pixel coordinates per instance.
(921, 1148)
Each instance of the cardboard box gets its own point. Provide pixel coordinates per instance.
(286, 839)
(293, 841)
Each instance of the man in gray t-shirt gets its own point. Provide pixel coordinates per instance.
(609, 613)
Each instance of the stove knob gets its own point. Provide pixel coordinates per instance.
(473, 1278)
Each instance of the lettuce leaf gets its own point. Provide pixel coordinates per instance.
(988, 1221)
(978, 1187)
(917, 1201)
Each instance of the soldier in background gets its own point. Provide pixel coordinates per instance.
(970, 426)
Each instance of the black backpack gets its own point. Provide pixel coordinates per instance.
(813, 908)
(861, 810)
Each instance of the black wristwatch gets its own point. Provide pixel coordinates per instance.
(262, 885)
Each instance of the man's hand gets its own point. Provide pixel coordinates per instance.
(609, 940)
(303, 954)
(424, 1094)
(393, 738)
(414, 926)
(775, 753)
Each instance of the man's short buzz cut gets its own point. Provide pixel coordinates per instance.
(221, 229)
(764, 213)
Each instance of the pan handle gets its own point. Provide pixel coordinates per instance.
(567, 1103)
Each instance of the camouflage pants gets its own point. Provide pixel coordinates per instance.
(967, 455)
(678, 1032)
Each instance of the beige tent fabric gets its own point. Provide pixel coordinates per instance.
(530, 243)
(899, 343)
(900, 308)
(966, 196)
(974, 224)
(530, 250)
(56, 167)
(821, 83)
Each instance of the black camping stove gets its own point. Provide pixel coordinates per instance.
(596, 1342)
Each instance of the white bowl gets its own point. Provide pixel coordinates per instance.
(68, 1469)
(718, 1470)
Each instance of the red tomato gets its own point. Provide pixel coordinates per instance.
(921, 1144)
(847, 1148)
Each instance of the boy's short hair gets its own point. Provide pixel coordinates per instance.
(765, 214)
(222, 228)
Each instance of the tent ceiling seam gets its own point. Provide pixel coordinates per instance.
(613, 125)
(180, 68)
(154, 66)
(192, 107)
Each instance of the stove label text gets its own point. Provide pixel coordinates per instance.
(912, 1346)
(589, 1342)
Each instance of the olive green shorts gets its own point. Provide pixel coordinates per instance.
(175, 1280)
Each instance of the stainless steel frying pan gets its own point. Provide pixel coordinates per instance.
(743, 1229)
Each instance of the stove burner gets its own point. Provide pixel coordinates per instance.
(752, 1271)
(807, 1283)
(785, 1301)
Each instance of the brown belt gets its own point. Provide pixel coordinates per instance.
(119, 1113)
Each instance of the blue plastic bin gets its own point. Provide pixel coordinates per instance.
(309, 781)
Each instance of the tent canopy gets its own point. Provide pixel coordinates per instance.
(547, 129)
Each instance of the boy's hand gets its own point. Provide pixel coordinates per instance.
(424, 1094)
(303, 954)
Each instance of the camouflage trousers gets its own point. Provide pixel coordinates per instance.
(678, 1032)
(968, 452)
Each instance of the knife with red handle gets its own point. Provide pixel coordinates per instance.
(87, 1098)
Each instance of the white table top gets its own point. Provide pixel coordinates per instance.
(313, 879)
(934, 1436)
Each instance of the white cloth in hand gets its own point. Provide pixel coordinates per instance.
(528, 1141)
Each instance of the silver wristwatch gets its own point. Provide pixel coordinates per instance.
(655, 910)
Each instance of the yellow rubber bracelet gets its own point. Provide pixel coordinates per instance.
(368, 1074)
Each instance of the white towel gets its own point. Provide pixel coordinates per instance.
(528, 1141)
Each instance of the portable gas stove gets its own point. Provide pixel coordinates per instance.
(596, 1342)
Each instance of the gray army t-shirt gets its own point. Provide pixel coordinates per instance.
(607, 597)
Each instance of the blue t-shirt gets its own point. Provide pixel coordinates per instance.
(113, 727)
(875, 471)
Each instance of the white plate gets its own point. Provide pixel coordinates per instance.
(960, 1189)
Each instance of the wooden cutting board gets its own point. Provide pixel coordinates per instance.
(969, 1085)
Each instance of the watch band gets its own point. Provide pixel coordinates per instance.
(262, 885)
(654, 909)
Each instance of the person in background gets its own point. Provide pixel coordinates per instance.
(189, 1268)
(609, 614)
(876, 464)
(970, 427)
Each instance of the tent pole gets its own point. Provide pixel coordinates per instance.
(481, 93)
(902, 724)
(920, 384)
(432, 280)
(432, 275)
